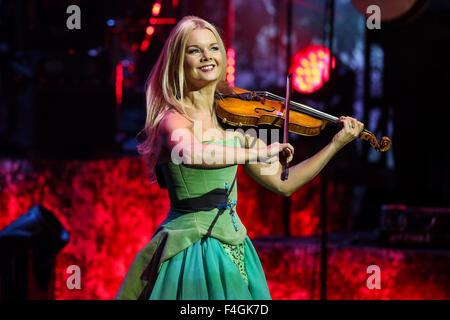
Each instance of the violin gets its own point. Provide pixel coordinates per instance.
(240, 107)
(253, 108)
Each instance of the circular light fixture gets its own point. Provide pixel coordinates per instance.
(310, 67)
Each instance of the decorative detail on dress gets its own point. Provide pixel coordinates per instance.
(229, 204)
(236, 253)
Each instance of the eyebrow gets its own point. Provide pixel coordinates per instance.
(194, 45)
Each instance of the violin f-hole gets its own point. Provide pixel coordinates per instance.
(266, 110)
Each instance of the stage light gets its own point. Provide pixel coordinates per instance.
(144, 45)
(310, 68)
(93, 52)
(156, 9)
(111, 23)
(119, 83)
(150, 30)
(230, 70)
(155, 21)
(231, 66)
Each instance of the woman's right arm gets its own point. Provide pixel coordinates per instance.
(184, 147)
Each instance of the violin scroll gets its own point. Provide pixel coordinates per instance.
(384, 145)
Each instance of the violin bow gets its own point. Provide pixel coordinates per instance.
(285, 154)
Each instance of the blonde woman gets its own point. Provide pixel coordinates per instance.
(201, 250)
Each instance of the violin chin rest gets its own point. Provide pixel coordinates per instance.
(224, 88)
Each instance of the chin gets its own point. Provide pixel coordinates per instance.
(200, 83)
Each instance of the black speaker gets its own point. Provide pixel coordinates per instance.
(28, 248)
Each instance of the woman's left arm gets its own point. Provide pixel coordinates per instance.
(306, 170)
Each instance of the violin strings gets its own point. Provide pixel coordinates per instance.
(295, 106)
(300, 107)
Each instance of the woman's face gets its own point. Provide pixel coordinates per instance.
(203, 60)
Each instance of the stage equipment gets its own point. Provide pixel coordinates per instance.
(28, 248)
(409, 226)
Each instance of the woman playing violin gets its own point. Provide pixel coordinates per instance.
(201, 250)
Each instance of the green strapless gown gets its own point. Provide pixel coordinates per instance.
(181, 262)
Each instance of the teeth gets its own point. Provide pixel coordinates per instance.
(207, 68)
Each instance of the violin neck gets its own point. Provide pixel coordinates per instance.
(301, 107)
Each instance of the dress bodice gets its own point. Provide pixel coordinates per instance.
(186, 182)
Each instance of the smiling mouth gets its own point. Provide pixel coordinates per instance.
(208, 67)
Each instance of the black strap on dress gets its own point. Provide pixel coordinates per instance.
(221, 209)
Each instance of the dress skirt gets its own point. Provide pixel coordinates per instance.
(209, 270)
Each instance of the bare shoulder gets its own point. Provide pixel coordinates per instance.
(171, 121)
(168, 125)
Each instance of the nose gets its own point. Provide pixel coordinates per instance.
(206, 55)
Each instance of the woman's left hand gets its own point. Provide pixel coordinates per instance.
(350, 131)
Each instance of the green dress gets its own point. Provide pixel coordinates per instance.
(197, 255)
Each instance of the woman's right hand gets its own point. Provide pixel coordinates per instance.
(271, 153)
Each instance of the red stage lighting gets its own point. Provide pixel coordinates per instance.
(144, 45)
(310, 68)
(156, 9)
(162, 21)
(231, 66)
(119, 82)
(150, 30)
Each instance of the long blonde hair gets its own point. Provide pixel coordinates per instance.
(165, 86)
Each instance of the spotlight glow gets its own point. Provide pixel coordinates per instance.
(231, 66)
(156, 9)
(310, 68)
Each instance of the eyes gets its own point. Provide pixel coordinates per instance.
(194, 50)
